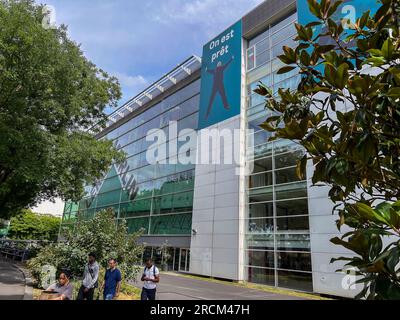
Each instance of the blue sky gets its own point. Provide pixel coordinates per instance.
(139, 41)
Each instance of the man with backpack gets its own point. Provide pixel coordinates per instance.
(150, 277)
(90, 279)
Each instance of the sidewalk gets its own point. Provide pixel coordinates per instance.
(12, 281)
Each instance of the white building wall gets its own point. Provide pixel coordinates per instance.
(326, 279)
(216, 216)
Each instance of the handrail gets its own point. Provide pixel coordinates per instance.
(20, 250)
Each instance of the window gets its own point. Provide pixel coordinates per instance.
(260, 226)
(286, 176)
(297, 207)
(291, 159)
(261, 195)
(289, 224)
(251, 62)
(293, 242)
(261, 210)
(137, 224)
(260, 180)
(264, 259)
(295, 280)
(178, 224)
(262, 165)
(294, 261)
(261, 276)
(268, 45)
(108, 198)
(291, 191)
(263, 57)
(135, 209)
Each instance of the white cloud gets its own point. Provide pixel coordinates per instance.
(138, 41)
(132, 81)
(209, 15)
(131, 85)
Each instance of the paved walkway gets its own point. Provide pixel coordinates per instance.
(12, 282)
(177, 287)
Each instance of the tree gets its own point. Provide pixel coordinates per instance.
(355, 150)
(32, 226)
(101, 235)
(50, 94)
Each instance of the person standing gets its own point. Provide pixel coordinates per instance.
(112, 281)
(90, 279)
(150, 277)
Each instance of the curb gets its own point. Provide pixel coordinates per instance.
(28, 283)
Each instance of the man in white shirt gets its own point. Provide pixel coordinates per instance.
(151, 276)
(90, 279)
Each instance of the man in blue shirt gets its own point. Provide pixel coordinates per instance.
(112, 281)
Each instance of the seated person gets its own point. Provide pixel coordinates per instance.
(63, 287)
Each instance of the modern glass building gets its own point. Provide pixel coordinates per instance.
(220, 219)
(157, 199)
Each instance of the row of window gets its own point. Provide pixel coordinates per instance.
(176, 224)
(297, 190)
(141, 145)
(297, 261)
(155, 111)
(173, 203)
(296, 207)
(271, 225)
(177, 183)
(293, 242)
(287, 81)
(267, 149)
(262, 175)
(176, 114)
(275, 30)
(257, 58)
(281, 278)
(268, 45)
(160, 173)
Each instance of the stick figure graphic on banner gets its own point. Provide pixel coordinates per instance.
(218, 85)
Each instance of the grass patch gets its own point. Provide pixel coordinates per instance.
(128, 292)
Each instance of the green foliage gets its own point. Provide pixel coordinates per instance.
(101, 235)
(50, 94)
(355, 150)
(32, 226)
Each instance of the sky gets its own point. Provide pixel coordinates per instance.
(140, 41)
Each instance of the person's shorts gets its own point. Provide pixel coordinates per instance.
(148, 294)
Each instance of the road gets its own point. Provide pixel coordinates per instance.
(12, 282)
(176, 287)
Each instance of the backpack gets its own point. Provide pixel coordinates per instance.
(154, 270)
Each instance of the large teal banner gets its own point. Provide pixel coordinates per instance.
(349, 10)
(221, 77)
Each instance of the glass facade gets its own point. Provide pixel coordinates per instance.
(155, 198)
(169, 259)
(277, 224)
